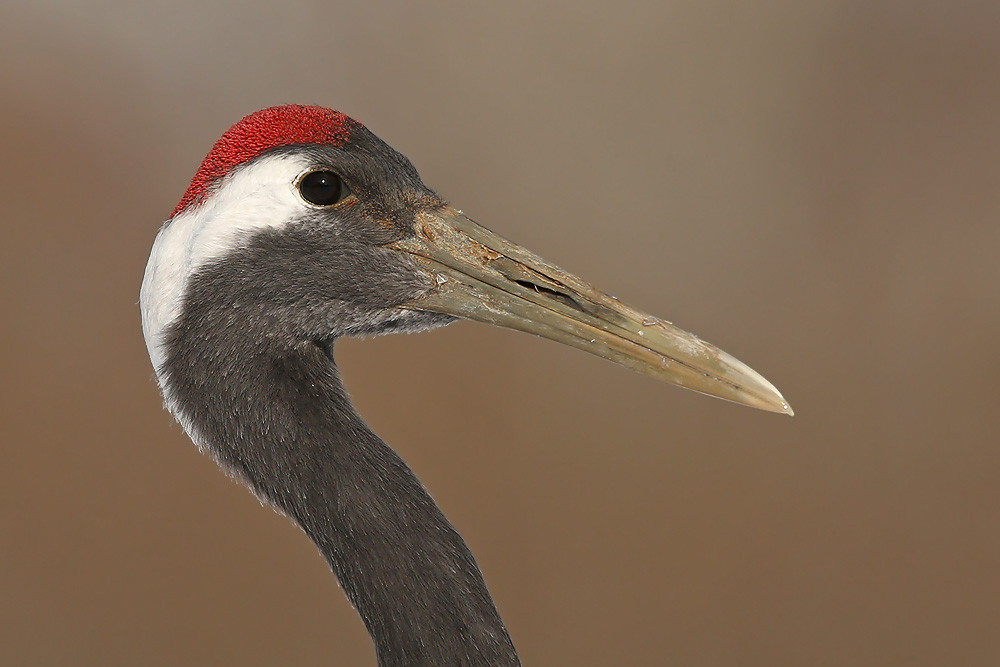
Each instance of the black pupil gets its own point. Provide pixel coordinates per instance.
(322, 188)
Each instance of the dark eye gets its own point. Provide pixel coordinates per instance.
(322, 188)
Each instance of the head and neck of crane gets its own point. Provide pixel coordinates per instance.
(300, 227)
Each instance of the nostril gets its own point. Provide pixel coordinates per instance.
(548, 291)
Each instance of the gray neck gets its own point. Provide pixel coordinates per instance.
(283, 422)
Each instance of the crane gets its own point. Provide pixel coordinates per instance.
(299, 227)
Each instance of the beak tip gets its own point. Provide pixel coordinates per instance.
(753, 389)
(775, 402)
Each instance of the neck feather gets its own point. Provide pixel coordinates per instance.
(283, 422)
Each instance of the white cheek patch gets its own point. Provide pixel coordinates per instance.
(256, 196)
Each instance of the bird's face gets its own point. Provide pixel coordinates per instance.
(303, 226)
(295, 240)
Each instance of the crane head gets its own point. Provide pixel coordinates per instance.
(302, 226)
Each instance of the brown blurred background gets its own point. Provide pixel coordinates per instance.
(814, 186)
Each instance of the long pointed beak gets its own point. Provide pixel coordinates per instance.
(482, 276)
